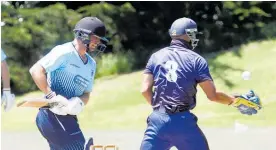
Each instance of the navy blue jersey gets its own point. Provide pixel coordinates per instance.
(176, 70)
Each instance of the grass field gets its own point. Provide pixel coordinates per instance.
(116, 102)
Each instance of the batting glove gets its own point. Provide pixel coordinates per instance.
(62, 106)
(57, 103)
(75, 106)
(248, 104)
(8, 99)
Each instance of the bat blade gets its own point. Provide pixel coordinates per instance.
(33, 102)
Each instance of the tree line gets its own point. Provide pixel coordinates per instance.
(136, 29)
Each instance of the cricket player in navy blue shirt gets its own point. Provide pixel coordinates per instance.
(170, 86)
(66, 76)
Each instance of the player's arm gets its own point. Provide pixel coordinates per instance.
(52, 61)
(75, 105)
(148, 79)
(147, 85)
(204, 79)
(8, 99)
(85, 98)
(243, 103)
(217, 96)
(5, 74)
(247, 104)
(38, 74)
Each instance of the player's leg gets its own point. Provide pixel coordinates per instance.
(154, 143)
(196, 141)
(89, 143)
(61, 132)
(186, 135)
(154, 137)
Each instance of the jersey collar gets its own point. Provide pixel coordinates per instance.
(180, 43)
(76, 52)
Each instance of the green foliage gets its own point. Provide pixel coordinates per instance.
(110, 64)
(120, 22)
(269, 30)
(233, 23)
(29, 33)
(33, 31)
(20, 78)
(140, 27)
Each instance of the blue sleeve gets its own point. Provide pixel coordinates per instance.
(202, 70)
(53, 60)
(90, 86)
(3, 55)
(150, 66)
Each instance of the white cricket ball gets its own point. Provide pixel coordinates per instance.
(246, 75)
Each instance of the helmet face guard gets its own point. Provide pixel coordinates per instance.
(191, 33)
(88, 27)
(85, 37)
(98, 50)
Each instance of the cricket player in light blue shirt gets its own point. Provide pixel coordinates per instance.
(67, 73)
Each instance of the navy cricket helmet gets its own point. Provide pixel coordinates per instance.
(91, 26)
(184, 26)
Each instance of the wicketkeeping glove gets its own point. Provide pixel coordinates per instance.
(248, 104)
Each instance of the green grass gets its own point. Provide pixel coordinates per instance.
(117, 104)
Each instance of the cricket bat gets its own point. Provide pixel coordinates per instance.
(33, 102)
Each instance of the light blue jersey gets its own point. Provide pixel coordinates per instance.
(3, 55)
(67, 74)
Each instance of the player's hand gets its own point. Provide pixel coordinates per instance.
(59, 109)
(57, 103)
(8, 99)
(75, 106)
(248, 104)
(62, 106)
(56, 99)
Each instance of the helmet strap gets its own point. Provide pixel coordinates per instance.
(87, 47)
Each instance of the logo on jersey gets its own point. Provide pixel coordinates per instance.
(79, 80)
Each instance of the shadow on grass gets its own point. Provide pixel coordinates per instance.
(218, 69)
